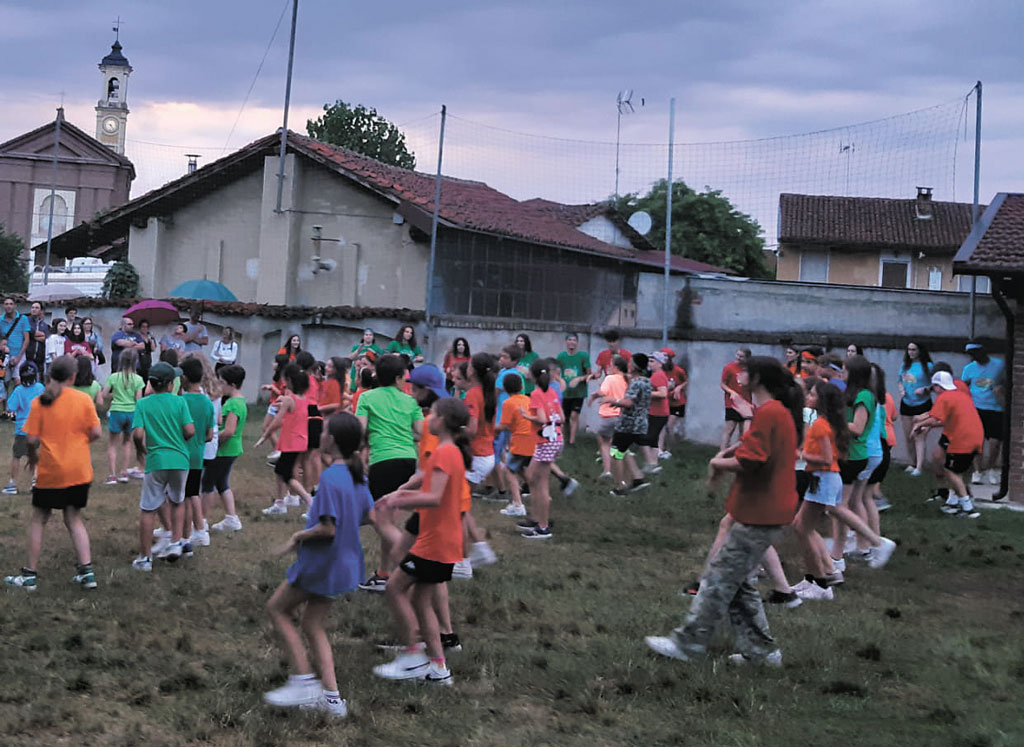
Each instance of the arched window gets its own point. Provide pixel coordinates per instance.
(113, 86)
(60, 214)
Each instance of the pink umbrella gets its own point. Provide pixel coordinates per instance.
(155, 312)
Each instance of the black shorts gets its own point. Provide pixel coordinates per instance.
(216, 473)
(803, 481)
(732, 415)
(193, 482)
(623, 441)
(426, 571)
(314, 427)
(412, 524)
(958, 464)
(572, 404)
(655, 424)
(518, 462)
(389, 475)
(912, 410)
(882, 469)
(848, 470)
(992, 422)
(285, 466)
(22, 448)
(57, 499)
(678, 411)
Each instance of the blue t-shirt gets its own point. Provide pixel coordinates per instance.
(335, 566)
(558, 390)
(913, 378)
(14, 330)
(983, 380)
(500, 389)
(875, 434)
(20, 402)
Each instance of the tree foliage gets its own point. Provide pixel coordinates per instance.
(13, 263)
(121, 281)
(705, 227)
(362, 130)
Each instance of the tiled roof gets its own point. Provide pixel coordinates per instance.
(871, 222)
(997, 243)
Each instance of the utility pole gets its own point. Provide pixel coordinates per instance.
(53, 194)
(287, 103)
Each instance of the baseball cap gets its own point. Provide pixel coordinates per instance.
(430, 377)
(669, 352)
(163, 373)
(660, 356)
(944, 379)
(973, 346)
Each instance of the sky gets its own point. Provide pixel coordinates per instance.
(738, 69)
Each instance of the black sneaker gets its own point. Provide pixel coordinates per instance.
(787, 599)
(450, 643)
(639, 484)
(538, 534)
(692, 588)
(527, 525)
(620, 492)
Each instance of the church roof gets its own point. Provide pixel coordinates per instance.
(76, 146)
(115, 58)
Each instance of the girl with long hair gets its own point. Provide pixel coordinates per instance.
(76, 345)
(915, 399)
(292, 423)
(292, 347)
(334, 391)
(122, 390)
(85, 381)
(482, 402)
(405, 344)
(544, 411)
(459, 353)
(525, 361)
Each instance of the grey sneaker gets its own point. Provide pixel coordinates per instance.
(144, 564)
(570, 487)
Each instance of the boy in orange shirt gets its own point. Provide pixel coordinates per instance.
(521, 443)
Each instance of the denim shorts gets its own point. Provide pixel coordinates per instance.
(826, 488)
(120, 422)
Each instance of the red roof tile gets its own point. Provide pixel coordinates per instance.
(997, 243)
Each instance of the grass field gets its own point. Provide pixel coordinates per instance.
(925, 652)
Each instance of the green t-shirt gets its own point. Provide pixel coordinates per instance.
(201, 409)
(577, 364)
(162, 416)
(123, 388)
(232, 447)
(859, 444)
(524, 369)
(91, 390)
(400, 347)
(389, 415)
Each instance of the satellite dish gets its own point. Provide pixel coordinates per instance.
(641, 222)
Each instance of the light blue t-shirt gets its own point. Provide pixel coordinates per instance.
(15, 330)
(913, 378)
(983, 380)
(20, 403)
(875, 434)
(500, 389)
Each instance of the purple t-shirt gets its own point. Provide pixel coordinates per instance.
(333, 567)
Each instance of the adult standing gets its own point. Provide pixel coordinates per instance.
(225, 350)
(196, 336)
(678, 382)
(62, 423)
(149, 346)
(15, 328)
(124, 339)
(736, 387)
(457, 355)
(96, 341)
(915, 399)
(526, 361)
(986, 376)
(575, 365)
(38, 331)
(70, 315)
(176, 339)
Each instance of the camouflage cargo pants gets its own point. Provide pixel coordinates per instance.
(728, 588)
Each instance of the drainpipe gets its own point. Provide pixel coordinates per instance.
(1000, 299)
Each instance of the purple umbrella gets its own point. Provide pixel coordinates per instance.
(157, 313)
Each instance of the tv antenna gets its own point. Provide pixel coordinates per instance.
(623, 105)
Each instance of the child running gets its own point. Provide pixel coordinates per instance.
(292, 421)
(631, 429)
(61, 424)
(329, 562)
(19, 402)
(437, 548)
(545, 412)
(521, 441)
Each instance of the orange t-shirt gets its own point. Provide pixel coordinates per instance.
(330, 392)
(63, 430)
(483, 442)
(677, 377)
(820, 431)
(440, 537)
(764, 493)
(891, 416)
(427, 446)
(521, 442)
(614, 386)
(731, 375)
(545, 404)
(960, 421)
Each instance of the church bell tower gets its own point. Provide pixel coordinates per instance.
(112, 108)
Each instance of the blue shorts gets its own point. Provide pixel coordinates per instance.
(826, 489)
(501, 444)
(120, 422)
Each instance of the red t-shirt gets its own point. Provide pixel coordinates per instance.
(604, 358)
(677, 377)
(731, 378)
(440, 537)
(483, 442)
(548, 402)
(764, 493)
(330, 392)
(659, 407)
(960, 421)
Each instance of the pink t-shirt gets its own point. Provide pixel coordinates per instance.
(294, 434)
(614, 386)
(548, 403)
(659, 407)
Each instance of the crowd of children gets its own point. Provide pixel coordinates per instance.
(360, 438)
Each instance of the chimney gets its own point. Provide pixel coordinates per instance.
(923, 205)
(193, 162)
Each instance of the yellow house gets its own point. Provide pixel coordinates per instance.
(873, 241)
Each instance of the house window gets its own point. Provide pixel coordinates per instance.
(814, 266)
(894, 274)
(963, 283)
(934, 278)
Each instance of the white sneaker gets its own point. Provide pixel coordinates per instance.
(200, 538)
(295, 692)
(569, 489)
(915, 472)
(438, 675)
(977, 478)
(651, 469)
(482, 555)
(334, 707)
(272, 458)
(995, 477)
(227, 524)
(292, 500)
(839, 565)
(967, 508)
(172, 552)
(161, 533)
(664, 455)
(513, 510)
(463, 569)
(952, 505)
(11, 489)
(274, 509)
(909, 468)
(666, 646)
(773, 659)
(407, 666)
(142, 564)
(160, 545)
(605, 476)
(880, 555)
(810, 590)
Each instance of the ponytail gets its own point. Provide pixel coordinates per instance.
(62, 371)
(483, 369)
(781, 385)
(346, 431)
(541, 374)
(454, 417)
(832, 407)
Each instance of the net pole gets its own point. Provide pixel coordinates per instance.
(435, 219)
(287, 103)
(974, 208)
(53, 198)
(668, 223)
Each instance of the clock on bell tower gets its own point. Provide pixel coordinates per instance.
(112, 108)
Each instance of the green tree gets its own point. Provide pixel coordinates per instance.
(121, 281)
(362, 130)
(705, 227)
(13, 263)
